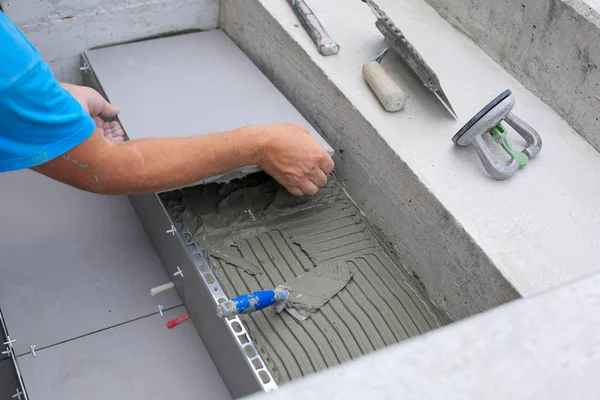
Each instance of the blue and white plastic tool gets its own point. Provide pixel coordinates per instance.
(251, 302)
(300, 297)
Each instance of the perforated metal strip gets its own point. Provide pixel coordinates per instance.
(236, 326)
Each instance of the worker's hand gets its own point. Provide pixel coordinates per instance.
(295, 159)
(98, 107)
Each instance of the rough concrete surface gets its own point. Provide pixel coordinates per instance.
(545, 347)
(595, 4)
(551, 46)
(471, 240)
(61, 29)
(255, 219)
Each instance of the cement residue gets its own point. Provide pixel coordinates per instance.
(311, 290)
(254, 223)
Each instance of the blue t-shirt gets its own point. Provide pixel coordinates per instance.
(39, 120)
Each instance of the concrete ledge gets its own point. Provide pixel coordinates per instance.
(546, 347)
(595, 4)
(62, 30)
(551, 46)
(473, 242)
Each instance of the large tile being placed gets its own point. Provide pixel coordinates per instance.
(72, 262)
(141, 360)
(191, 84)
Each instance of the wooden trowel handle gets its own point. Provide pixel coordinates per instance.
(389, 93)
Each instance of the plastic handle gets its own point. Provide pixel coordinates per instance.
(325, 44)
(176, 321)
(492, 166)
(251, 302)
(161, 288)
(389, 93)
(533, 139)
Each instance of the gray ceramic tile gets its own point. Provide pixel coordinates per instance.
(189, 84)
(72, 262)
(8, 379)
(2, 340)
(141, 360)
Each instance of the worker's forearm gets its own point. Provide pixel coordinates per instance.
(159, 164)
(150, 165)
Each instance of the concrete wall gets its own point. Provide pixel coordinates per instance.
(472, 241)
(61, 29)
(545, 347)
(595, 4)
(551, 46)
(456, 274)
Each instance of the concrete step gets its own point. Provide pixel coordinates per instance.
(473, 242)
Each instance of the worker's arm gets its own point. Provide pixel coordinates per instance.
(286, 152)
(55, 130)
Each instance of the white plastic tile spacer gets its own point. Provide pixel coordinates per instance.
(32, 347)
(172, 230)
(17, 395)
(179, 272)
(7, 351)
(161, 288)
(10, 342)
(160, 310)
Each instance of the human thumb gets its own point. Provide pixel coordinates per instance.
(109, 110)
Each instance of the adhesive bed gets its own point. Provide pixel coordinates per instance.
(255, 221)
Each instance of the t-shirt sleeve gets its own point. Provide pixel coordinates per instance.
(39, 120)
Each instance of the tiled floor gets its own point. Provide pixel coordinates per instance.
(137, 360)
(75, 276)
(72, 262)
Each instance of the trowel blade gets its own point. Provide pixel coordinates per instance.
(444, 100)
(311, 290)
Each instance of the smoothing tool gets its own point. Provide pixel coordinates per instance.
(398, 42)
(389, 93)
(300, 297)
(489, 120)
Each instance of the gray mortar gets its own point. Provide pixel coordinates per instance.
(313, 289)
(257, 221)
